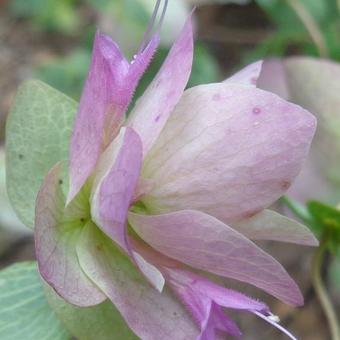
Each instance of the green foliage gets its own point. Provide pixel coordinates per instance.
(326, 223)
(67, 74)
(322, 219)
(285, 17)
(204, 68)
(50, 15)
(291, 33)
(37, 136)
(24, 311)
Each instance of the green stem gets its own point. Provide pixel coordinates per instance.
(321, 291)
(311, 26)
(297, 209)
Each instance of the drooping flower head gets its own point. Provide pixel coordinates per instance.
(175, 191)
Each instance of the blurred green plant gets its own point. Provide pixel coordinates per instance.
(49, 15)
(66, 74)
(324, 221)
(309, 27)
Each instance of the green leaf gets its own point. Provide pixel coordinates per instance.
(37, 136)
(101, 322)
(24, 311)
(326, 222)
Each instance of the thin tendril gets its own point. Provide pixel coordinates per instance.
(162, 16)
(275, 324)
(150, 26)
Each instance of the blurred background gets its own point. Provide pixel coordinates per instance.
(52, 39)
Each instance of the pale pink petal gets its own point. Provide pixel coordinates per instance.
(227, 150)
(248, 75)
(55, 242)
(314, 84)
(269, 225)
(113, 191)
(150, 314)
(273, 78)
(312, 184)
(154, 107)
(108, 90)
(203, 242)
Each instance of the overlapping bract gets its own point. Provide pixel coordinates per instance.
(191, 173)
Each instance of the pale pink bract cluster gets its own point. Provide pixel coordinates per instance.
(181, 185)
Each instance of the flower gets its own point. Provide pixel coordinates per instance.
(173, 192)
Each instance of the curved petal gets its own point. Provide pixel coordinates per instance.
(107, 92)
(227, 150)
(154, 107)
(55, 243)
(114, 185)
(248, 75)
(149, 313)
(203, 242)
(269, 225)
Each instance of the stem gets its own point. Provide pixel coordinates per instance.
(321, 292)
(311, 26)
(297, 209)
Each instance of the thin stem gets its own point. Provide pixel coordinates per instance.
(321, 291)
(311, 26)
(297, 209)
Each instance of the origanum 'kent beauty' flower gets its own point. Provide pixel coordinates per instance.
(174, 192)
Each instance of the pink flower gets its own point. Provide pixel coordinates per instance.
(181, 185)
